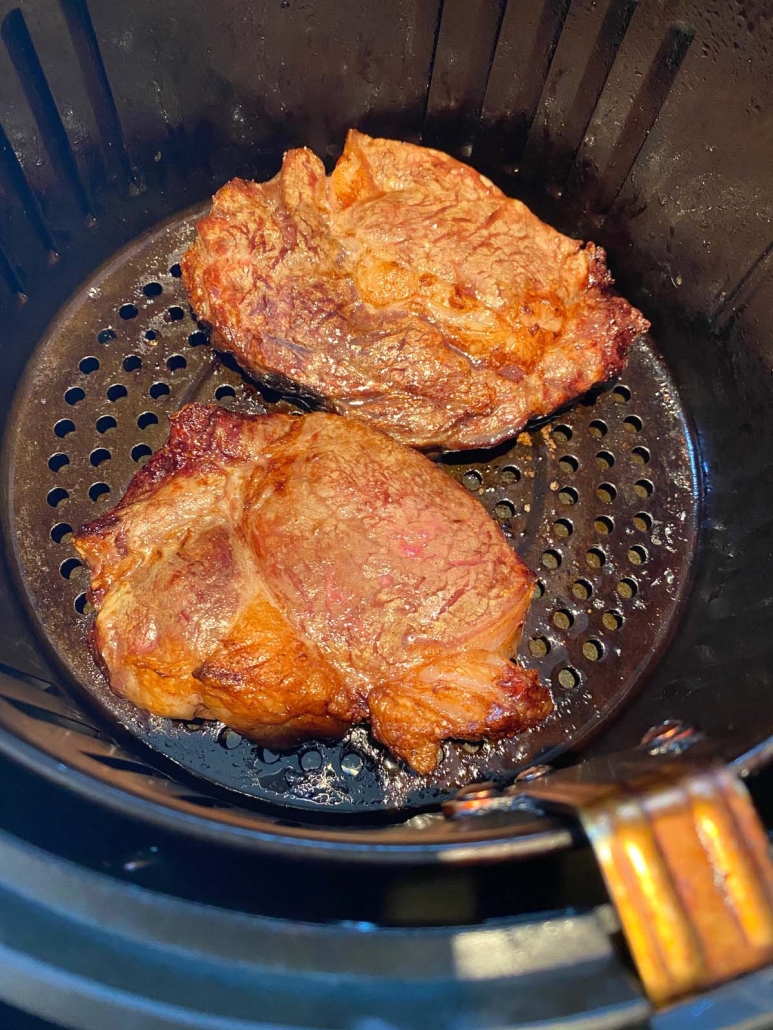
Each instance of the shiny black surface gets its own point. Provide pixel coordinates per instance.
(118, 116)
(648, 127)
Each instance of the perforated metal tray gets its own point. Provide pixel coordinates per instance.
(601, 501)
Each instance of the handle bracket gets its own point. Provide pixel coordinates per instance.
(683, 853)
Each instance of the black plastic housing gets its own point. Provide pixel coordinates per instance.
(647, 127)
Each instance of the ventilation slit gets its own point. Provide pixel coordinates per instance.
(25, 60)
(81, 29)
(15, 181)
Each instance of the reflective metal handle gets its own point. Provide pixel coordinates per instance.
(685, 861)
(683, 853)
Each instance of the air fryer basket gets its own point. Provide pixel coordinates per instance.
(602, 500)
(616, 121)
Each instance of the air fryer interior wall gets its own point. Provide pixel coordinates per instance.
(647, 127)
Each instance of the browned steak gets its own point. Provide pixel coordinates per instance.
(292, 576)
(408, 292)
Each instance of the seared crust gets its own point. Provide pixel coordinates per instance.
(290, 576)
(407, 291)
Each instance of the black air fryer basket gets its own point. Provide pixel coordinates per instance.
(644, 508)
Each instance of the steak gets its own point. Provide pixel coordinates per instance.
(291, 576)
(405, 290)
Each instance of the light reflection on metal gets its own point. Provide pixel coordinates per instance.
(684, 857)
(681, 848)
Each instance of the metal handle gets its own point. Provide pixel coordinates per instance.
(684, 856)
